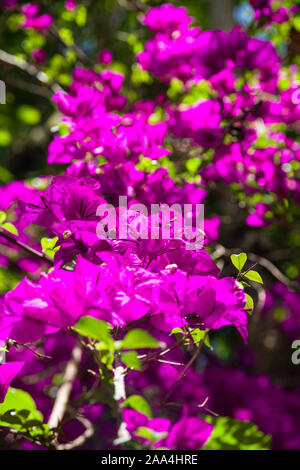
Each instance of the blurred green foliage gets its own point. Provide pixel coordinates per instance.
(95, 25)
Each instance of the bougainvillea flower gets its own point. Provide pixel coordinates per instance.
(8, 372)
(189, 433)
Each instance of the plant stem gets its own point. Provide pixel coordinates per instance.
(9, 237)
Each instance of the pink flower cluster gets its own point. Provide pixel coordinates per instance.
(35, 21)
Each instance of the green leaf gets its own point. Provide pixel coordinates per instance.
(139, 339)
(231, 434)
(64, 79)
(81, 15)
(249, 303)
(24, 413)
(198, 335)
(280, 314)
(192, 165)
(297, 23)
(11, 417)
(33, 423)
(176, 331)
(244, 284)
(48, 243)
(5, 175)
(48, 246)
(10, 228)
(253, 276)
(15, 404)
(138, 403)
(201, 91)
(94, 329)
(149, 434)
(176, 87)
(131, 360)
(2, 217)
(28, 115)
(239, 260)
(67, 36)
(18, 400)
(5, 138)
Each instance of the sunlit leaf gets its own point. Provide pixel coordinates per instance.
(138, 403)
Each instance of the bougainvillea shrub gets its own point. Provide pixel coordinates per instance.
(149, 260)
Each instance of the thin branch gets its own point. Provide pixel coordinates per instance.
(11, 342)
(11, 238)
(159, 354)
(80, 440)
(261, 299)
(202, 405)
(29, 87)
(63, 394)
(76, 49)
(188, 365)
(267, 264)
(30, 69)
(171, 363)
(243, 274)
(273, 270)
(133, 5)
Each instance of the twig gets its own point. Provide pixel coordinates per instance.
(11, 238)
(267, 264)
(202, 405)
(133, 5)
(80, 440)
(32, 88)
(76, 49)
(11, 342)
(171, 363)
(156, 355)
(261, 299)
(28, 68)
(63, 394)
(242, 274)
(273, 270)
(188, 365)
